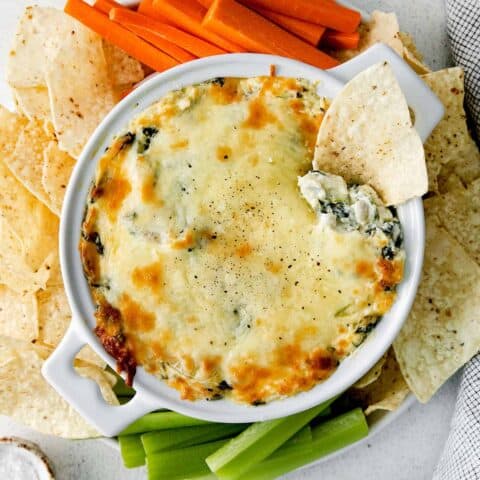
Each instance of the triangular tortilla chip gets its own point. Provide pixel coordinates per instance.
(387, 392)
(33, 102)
(79, 85)
(27, 397)
(450, 149)
(123, 69)
(367, 137)
(54, 317)
(372, 374)
(459, 213)
(26, 160)
(56, 171)
(442, 331)
(18, 314)
(15, 272)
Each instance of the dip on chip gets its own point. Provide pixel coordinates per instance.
(367, 137)
(218, 260)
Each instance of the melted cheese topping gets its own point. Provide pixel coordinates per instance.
(199, 241)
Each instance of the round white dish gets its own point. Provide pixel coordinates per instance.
(152, 394)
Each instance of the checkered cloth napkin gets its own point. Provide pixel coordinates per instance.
(460, 459)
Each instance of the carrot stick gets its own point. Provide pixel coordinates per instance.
(340, 40)
(309, 32)
(252, 31)
(321, 12)
(188, 15)
(119, 36)
(176, 52)
(105, 5)
(194, 45)
(145, 7)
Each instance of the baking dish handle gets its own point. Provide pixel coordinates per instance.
(84, 394)
(427, 107)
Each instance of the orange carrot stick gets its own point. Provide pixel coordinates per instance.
(340, 40)
(105, 5)
(119, 36)
(252, 31)
(188, 15)
(145, 7)
(194, 45)
(321, 12)
(176, 52)
(309, 32)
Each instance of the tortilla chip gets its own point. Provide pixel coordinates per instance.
(33, 102)
(103, 379)
(123, 69)
(381, 28)
(409, 44)
(54, 317)
(459, 213)
(36, 235)
(11, 125)
(56, 171)
(27, 397)
(27, 159)
(81, 93)
(18, 314)
(367, 137)
(26, 60)
(387, 392)
(450, 149)
(443, 330)
(412, 55)
(372, 374)
(419, 67)
(14, 270)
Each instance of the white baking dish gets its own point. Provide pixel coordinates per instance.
(152, 393)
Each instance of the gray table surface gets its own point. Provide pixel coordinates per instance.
(407, 449)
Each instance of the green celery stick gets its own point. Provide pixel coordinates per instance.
(181, 463)
(325, 413)
(161, 421)
(132, 451)
(332, 435)
(208, 476)
(121, 389)
(186, 436)
(302, 436)
(257, 442)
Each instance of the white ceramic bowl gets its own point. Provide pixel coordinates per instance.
(152, 393)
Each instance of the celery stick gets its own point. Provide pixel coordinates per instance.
(302, 436)
(181, 463)
(161, 421)
(132, 451)
(121, 389)
(325, 413)
(184, 437)
(331, 435)
(257, 442)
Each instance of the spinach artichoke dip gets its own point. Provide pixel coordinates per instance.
(218, 260)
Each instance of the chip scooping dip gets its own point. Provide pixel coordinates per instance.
(367, 136)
